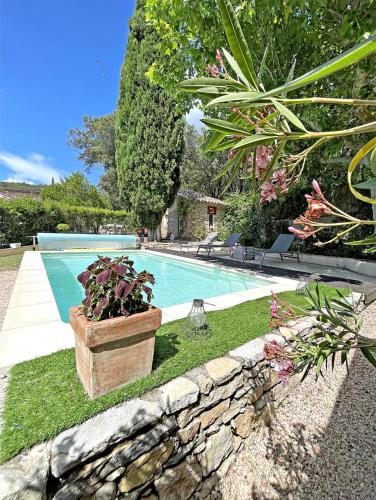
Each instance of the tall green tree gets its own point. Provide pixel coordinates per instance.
(149, 131)
(95, 143)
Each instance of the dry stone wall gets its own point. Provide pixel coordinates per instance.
(174, 443)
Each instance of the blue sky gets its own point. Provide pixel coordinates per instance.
(60, 60)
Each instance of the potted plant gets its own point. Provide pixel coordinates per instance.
(115, 325)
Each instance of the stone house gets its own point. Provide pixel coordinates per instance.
(192, 216)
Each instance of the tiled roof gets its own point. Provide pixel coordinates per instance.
(200, 197)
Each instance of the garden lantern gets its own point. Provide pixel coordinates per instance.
(197, 323)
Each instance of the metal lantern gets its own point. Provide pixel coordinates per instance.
(302, 285)
(197, 323)
(304, 281)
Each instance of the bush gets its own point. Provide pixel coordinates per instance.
(24, 217)
(260, 225)
(62, 228)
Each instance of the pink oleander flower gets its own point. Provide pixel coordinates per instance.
(212, 70)
(316, 208)
(279, 178)
(274, 307)
(263, 156)
(304, 233)
(219, 58)
(279, 360)
(268, 192)
(317, 188)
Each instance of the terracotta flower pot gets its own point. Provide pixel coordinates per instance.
(114, 352)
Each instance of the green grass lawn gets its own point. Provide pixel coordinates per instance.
(45, 395)
(10, 262)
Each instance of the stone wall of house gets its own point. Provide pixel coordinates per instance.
(196, 225)
(174, 442)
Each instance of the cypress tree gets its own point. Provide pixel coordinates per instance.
(149, 131)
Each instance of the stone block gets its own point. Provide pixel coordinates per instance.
(188, 433)
(252, 352)
(84, 441)
(179, 482)
(115, 474)
(129, 451)
(144, 468)
(221, 370)
(216, 394)
(178, 394)
(234, 409)
(243, 423)
(106, 492)
(218, 447)
(208, 417)
(25, 476)
(256, 394)
(204, 383)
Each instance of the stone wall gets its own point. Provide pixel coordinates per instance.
(197, 220)
(173, 443)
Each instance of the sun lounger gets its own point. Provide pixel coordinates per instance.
(228, 243)
(281, 246)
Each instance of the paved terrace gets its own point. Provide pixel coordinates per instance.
(273, 266)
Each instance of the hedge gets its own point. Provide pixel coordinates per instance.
(23, 217)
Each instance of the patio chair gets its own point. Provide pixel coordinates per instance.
(207, 241)
(230, 242)
(281, 245)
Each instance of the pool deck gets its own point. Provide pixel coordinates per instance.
(32, 326)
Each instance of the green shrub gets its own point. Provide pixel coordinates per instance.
(62, 228)
(24, 217)
(260, 225)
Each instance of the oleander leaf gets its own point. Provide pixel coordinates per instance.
(237, 42)
(288, 114)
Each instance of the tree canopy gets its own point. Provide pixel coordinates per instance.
(149, 130)
(95, 143)
(75, 190)
(200, 169)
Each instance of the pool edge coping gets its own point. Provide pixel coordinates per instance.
(22, 340)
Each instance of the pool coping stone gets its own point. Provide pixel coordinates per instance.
(32, 326)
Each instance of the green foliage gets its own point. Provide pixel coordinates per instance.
(63, 228)
(149, 130)
(261, 224)
(282, 36)
(23, 217)
(337, 333)
(75, 190)
(96, 142)
(114, 288)
(200, 169)
(96, 146)
(52, 395)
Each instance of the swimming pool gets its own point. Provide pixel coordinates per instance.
(177, 281)
(61, 241)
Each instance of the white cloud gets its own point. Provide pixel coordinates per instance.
(194, 117)
(32, 169)
(16, 179)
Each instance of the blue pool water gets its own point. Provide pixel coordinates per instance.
(177, 282)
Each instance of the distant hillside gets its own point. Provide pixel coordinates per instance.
(12, 190)
(21, 185)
